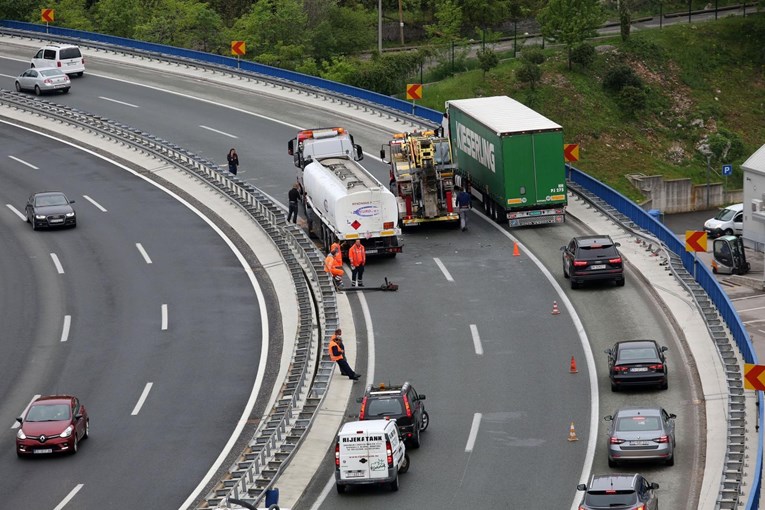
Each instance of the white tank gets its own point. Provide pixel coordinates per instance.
(353, 202)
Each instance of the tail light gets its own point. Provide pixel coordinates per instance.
(662, 439)
(83, 60)
(47, 80)
(658, 368)
(388, 225)
(449, 207)
(337, 455)
(363, 408)
(617, 260)
(407, 407)
(641, 507)
(58, 64)
(580, 263)
(616, 440)
(388, 453)
(618, 368)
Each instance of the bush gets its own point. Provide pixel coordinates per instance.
(533, 56)
(488, 59)
(583, 54)
(632, 99)
(620, 77)
(529, 73)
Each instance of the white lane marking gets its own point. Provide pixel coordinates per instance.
(16, 424)
(69, 496)
(761, 331)
(752, 309)
(476, 340)
(65, 330)
(57, 262)
(443, 269)
(219, 132)
(102, 208)
(143, 253)
(756, 320)
(118, 102)
(164, 317)
(30, 165)
(16, 212)
(473, 432)
(746, 297)
(142, 398)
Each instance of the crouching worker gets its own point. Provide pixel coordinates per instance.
(333, 269)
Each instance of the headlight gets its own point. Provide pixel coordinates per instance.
(20, 434)
(40, 216)
(67, 431)
(70, 214)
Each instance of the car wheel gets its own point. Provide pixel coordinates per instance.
(76, 444)
(416, 439)
(340, 488)
(671, 460)
(425, 421)
(614, 387)
(574, 285)
(611, 463)
(87, 430)
(664, 385)
(34, 225)
(66, 90)
(18, 87)
(728, 232)
(404, 465)
(620, 283)
(394, 485)
(79, 75)
(38, 92)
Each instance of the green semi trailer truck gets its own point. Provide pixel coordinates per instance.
(510, 158)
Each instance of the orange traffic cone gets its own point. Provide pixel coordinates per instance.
(572, 433)
(555, 310)
(573, 369)
(516, 252)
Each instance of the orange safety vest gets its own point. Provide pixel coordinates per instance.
(330, 266)
(357, 255)
(339, 254)
(333, 343)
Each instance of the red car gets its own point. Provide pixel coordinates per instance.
(52, 424)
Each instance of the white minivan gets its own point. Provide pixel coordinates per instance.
(369, 452)
(66, 57)
(729, 221)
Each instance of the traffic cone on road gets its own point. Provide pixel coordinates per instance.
(573, 369)
(572, 433)
(555, 310)
(516, 252)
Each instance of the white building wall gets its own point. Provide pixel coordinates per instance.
(754, 200)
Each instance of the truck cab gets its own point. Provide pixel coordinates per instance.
(318, 144)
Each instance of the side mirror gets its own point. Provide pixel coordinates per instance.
(664, 349)
(562, 248)
(359, 400)
(581, 487)
(382, 155)
(608, 418)
(617, 244)
(78, 416)
(20, 420)
(607, 351)
(359, 153)
(672, 416)
(654, 485)
(71, 201)
(291, 147)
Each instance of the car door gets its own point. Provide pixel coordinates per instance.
(79, 423)
(568, 255)
(738, 223)
(414, 400)
(27, 79)
(669, 424)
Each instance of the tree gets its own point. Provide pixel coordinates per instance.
(184, 23)
(625, 18)
(18, 10)
(447, 22)
(341, 31)
(117, 17)
(488, 59)
(529, 73)
(583, 54)
(69, 13)
(570, 21)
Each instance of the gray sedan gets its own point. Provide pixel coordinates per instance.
(641, 434)
(43, 80)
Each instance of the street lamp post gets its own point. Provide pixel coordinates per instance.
(709, 158)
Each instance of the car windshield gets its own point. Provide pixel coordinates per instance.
(48, 412)
(384, 407)
(611, 498)
(633, 354)
(51, 72)
(638, 423)
(47, 200)
(725, 215)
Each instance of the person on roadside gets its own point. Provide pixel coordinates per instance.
(337, 354)
(338, 249)
(233, 161)
(463, 204)
(357, 255)
(333, 269)
(293, 197)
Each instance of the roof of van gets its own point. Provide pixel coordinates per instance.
(366, 426)
(735, 207)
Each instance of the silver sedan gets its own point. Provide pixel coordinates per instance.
(641, 434)
(43, 80)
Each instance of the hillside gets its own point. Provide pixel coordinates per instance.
(705, 83)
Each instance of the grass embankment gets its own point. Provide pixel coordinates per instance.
(701, 78)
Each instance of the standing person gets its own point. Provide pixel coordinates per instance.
(337, 354)
(233, 161)
(463, 203)
(357, 254)
(332, 269)
(294, 197)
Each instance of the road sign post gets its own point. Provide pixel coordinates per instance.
(726, 171)
(413, 92)
(695, 241)
(238, 48)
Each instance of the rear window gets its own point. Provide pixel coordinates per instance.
(384, 407)
(605, 499)
(598, 251)
(52, 71)
(67, 53)
(638, 423)
(634, 354)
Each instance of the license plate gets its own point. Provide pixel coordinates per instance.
(639, 443)
(639, 369)
(354, 474)
(71, 63)
(56, 221)
(45, 450)
(598, 266)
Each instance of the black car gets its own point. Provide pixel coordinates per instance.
(589, 258)
(622, 491)
(637, 363)
(50, 209)
(402, 403)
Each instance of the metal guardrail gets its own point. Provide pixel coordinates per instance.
(302, 393)
(715, 308)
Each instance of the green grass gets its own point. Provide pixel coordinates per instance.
(701, 78)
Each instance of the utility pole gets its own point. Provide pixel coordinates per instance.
(401, 21)
(709, 158)
(379, 26)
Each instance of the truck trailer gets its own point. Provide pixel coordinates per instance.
(510, 158)
(343, 201)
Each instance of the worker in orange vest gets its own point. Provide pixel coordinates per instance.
(337, 354)
(333, 269)
(358, 258)
(339, 255)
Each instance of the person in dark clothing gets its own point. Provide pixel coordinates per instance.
(294, 197)
(463, 204)
(337, 354)
(233, 161)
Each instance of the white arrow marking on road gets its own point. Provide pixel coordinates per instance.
(16, 212)
(476, 340)
(118, 102)
(57, 262)
(102, 208)
(143, 253)
(69, 497)
(443, 269)
(142, 399)
(30, 165)
(67, 325)
(16, 424)
(164, 317)
(219, 132)
(473, 432)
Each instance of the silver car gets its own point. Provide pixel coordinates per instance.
(43, 80)
(641, 434)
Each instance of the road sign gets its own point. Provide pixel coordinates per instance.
(47, 15)
(571, 152)
(414, 91)
(238, 48)
(754, 377)
(727, 169)
(695, 241)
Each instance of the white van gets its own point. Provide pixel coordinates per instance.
(729, 221)
(369, 452)
(66, 57)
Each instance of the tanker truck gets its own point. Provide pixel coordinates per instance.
(343, 201)
(510, 158)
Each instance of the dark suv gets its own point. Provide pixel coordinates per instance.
(589, 258)
(401, 403)
(625, 492)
